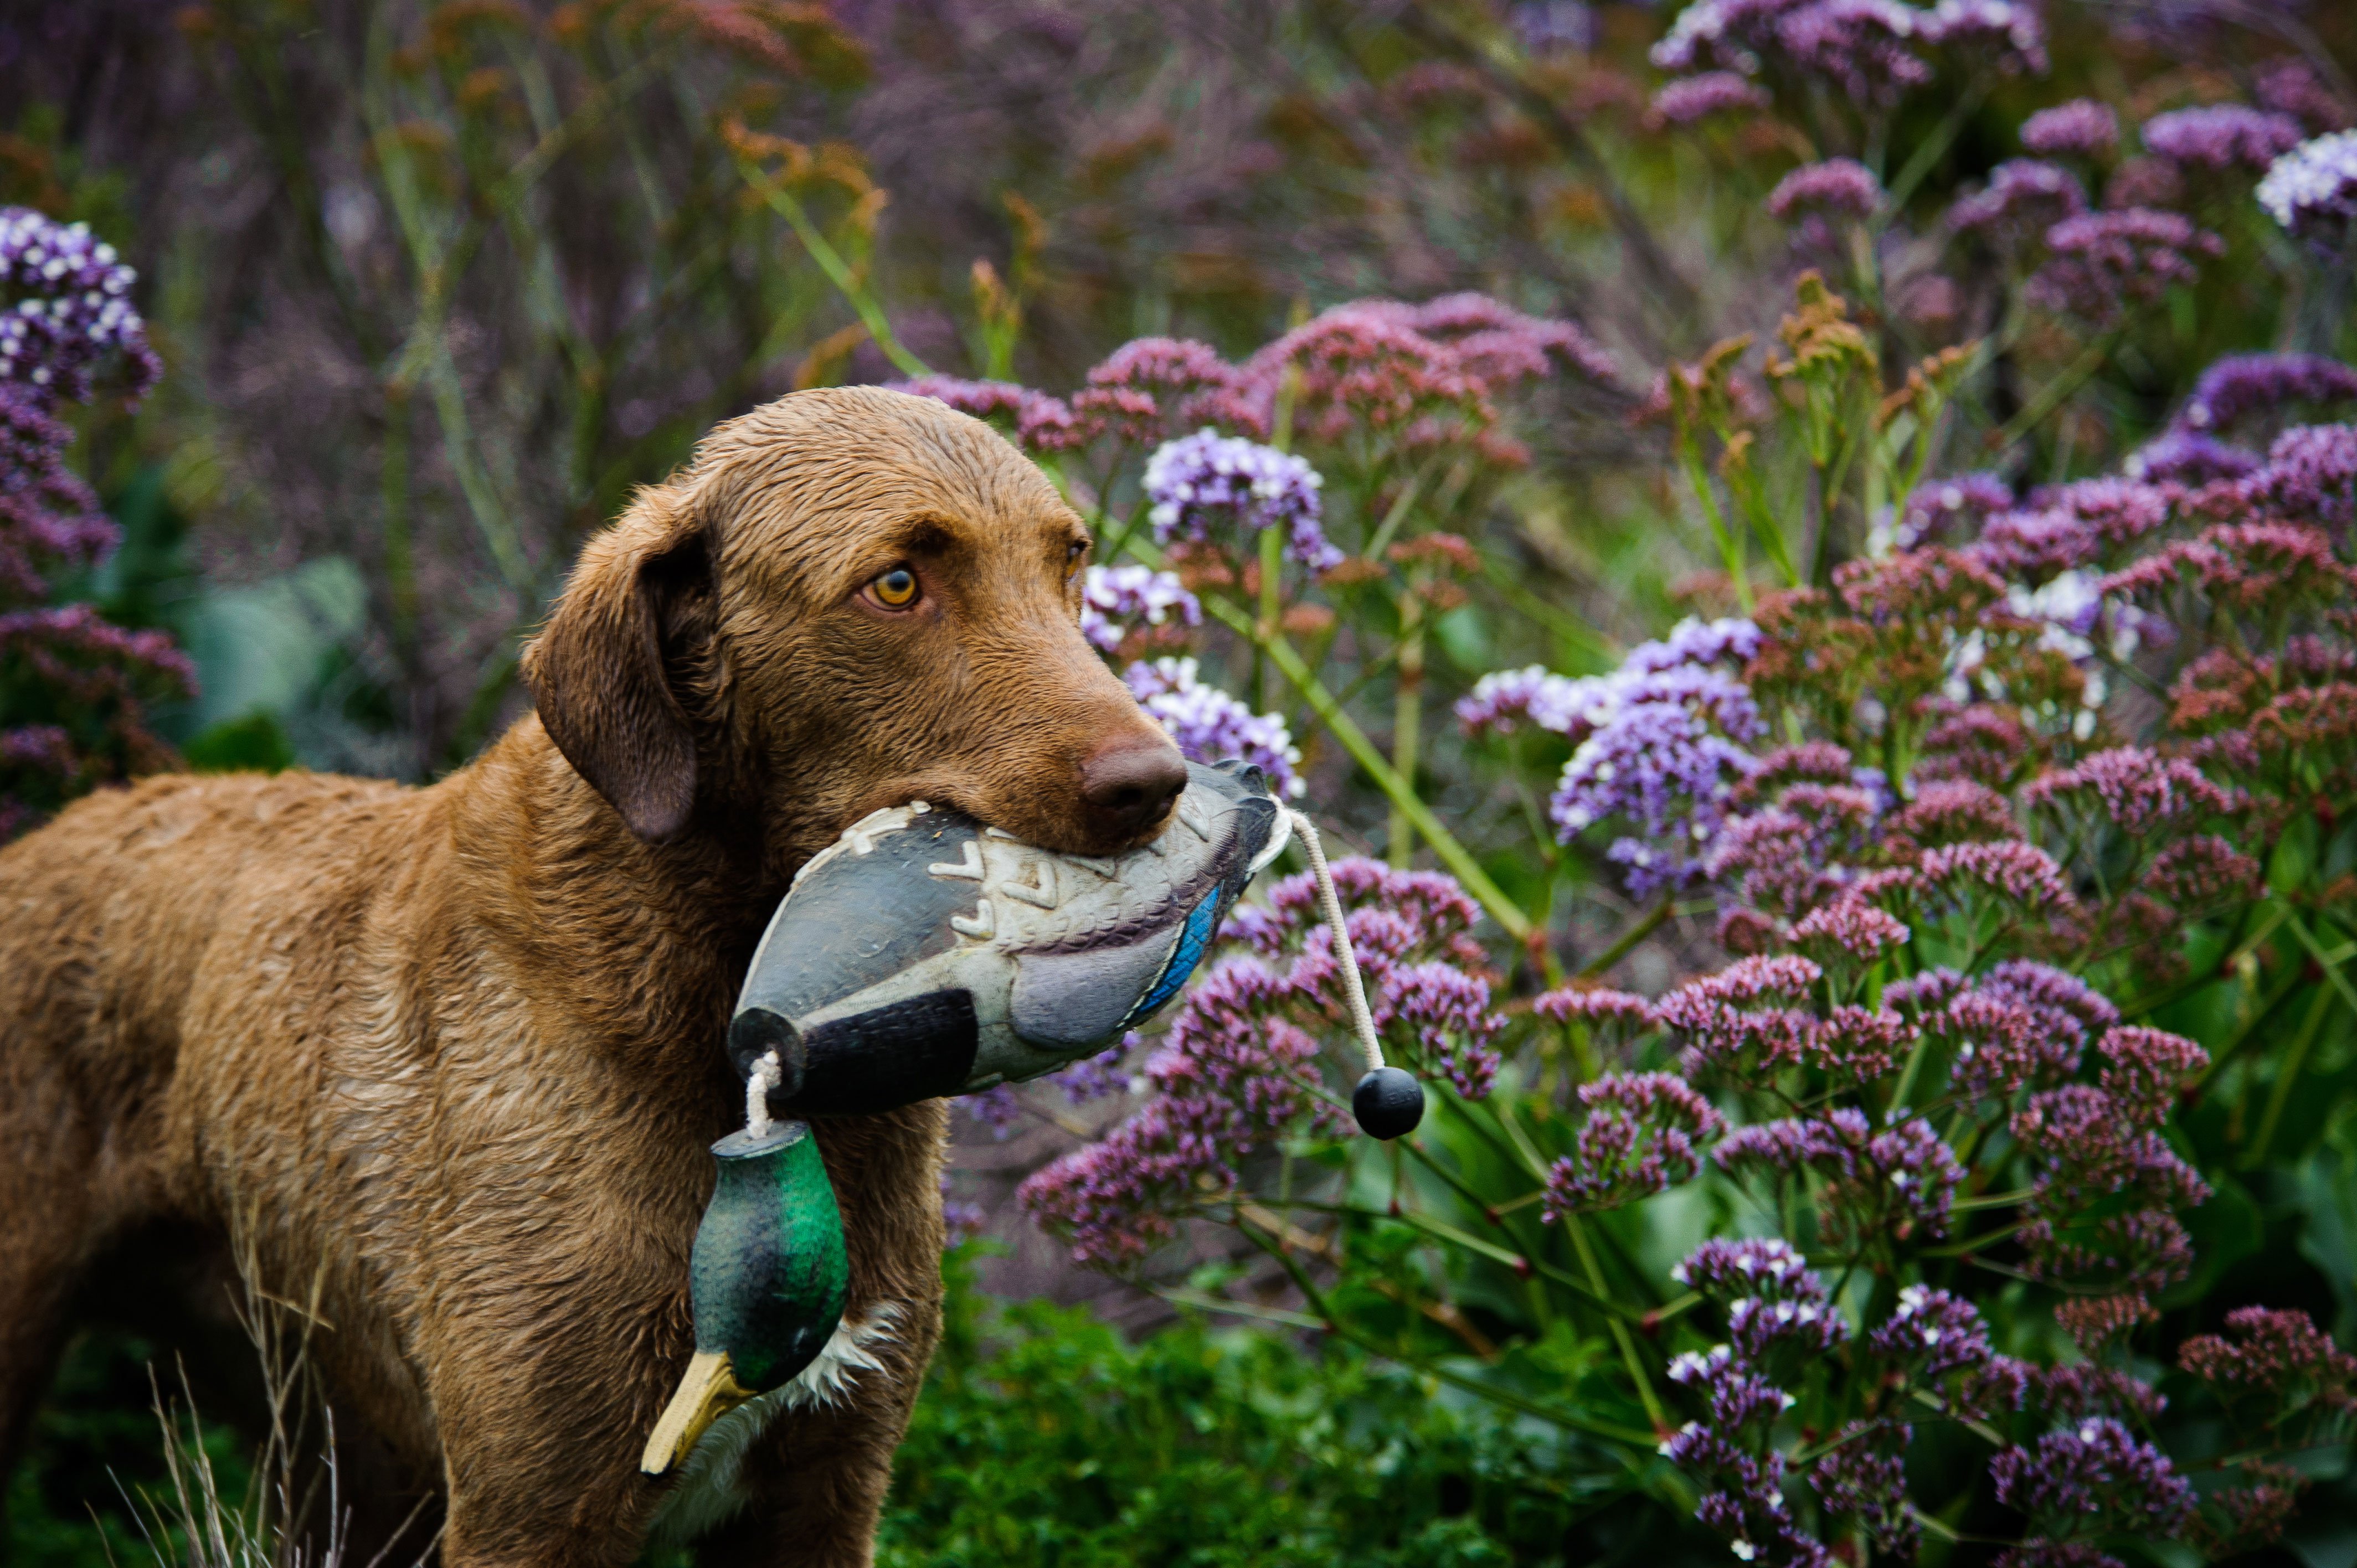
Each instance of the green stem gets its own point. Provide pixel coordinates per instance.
(1625, 942)
(2294, 1061)
(1407, 726)
(1643, 1441)
(1452, 853)
(838, 272)
(2056, 393)
(1578, 1232)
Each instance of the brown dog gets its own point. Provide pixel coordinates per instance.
(458, 1050)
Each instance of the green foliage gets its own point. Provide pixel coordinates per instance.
(1044, 1437)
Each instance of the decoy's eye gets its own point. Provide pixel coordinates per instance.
(896, 589)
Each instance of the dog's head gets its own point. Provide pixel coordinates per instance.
(851, 599)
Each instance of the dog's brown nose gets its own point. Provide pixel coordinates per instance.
(1128, 783)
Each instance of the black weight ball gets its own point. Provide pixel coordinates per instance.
(1388, 1103)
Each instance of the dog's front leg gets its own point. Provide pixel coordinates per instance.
(815, 1482)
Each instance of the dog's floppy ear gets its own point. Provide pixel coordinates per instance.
(602, 671)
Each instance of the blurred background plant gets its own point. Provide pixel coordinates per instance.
(1792, 534)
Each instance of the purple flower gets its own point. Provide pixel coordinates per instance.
(2221, 137)
(1210, 726)
(2024, 197)
(1112, 596)
(2292, 86)
(1207, 481)
(2139, 791)
(2243, 384)
(1943, 508)
(1662, 768)
(998, 1109)
(1148, 384)
(1859, 47)
(1039, 420)
(1637, 1140)
(1841, 186)
(1698, 97)
(71, 310)
(1735, 1396)
(2007, 34)
(1240, 1067)
(2270, 1352)
(2310, 473)
(2312, 190)
(2187, 457)
(2086, 1144)
(1863, 1480)
(2080, 128)
(2018, 873)
(1099, 1076)
(1921, 1172)
(2095, 1474)
(1932, 1334)
(2144, 1068)
(1772, 1270)
(1696, 641)
(1856, 47)
(2102, 259)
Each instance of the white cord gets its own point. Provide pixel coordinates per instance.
(767, 1074)
(1353, 988)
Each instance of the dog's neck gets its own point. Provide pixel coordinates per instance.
(653, 939)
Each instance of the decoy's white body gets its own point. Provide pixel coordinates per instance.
(923, 954)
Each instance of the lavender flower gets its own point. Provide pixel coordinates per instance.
(2312, 190)
(1239, 1068)
(1637, 1140)
(2276, 1353)
(1208, 485)
(1113, 595)
(1932, 1335)
(2187, 457)
(1944, 508)
(1839, 185)
(2080, 128)
(998, 1109)
(2006, 33)
(2024, 197)
(2243, 384)
(1144, 385)
(2101, 259)
(1772, 1270)
(2221, 136)
(2310, 473)
(1860, 1480)
(2139, 791)
(1855, 46)
(2096, 1475)
(1210, 726)
(1859, 47)
(1697, 98)
(1039, 420)
(71, 313)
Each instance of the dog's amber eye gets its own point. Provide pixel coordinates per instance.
(896, 589)
(1073, 554)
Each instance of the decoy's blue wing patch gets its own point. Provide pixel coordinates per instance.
(1193, 938)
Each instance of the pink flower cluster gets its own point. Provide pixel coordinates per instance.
(1637, 1139)
(1240, 1067)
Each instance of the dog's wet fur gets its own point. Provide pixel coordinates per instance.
(454, 1053)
